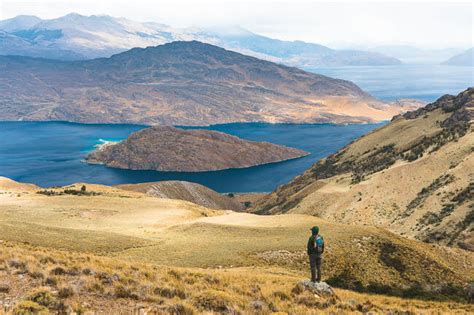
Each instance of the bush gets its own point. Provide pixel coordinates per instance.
(169, 292)
(4, 288)
(43, 297)
(28, 308)
(176, 309)
(122, 292)
(66, 292)
(215, 301)
(58, 271)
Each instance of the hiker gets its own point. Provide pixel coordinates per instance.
(315, 252)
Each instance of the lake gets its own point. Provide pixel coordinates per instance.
(422, 82)
(52, 153)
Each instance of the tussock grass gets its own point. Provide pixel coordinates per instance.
(112, 286)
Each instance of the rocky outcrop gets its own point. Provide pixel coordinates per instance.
(188, 191)
(173, 149)
(321, 289)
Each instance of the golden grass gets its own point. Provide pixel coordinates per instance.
(33, 277)
(151, 232)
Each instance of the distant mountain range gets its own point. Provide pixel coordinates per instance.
(75, 37)
(465, 58)
(415, 55)
(181, 83)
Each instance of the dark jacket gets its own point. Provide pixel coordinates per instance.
(311, 249)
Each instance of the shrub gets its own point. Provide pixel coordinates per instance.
(58, 271)
(215, 301)
(28, 308)
(51, 281)
(36, 274)
(43, 297)
(4, 288)
(17, 264)
(123, 292)
(169, 292)
(176, 309)
(65, 292)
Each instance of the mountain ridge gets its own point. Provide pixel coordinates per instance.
(101, 36)
(465, 58)
(181, 83)
(417, 183)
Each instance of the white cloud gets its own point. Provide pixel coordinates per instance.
(423, 23)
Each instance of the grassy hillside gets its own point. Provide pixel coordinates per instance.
(413, 176)
(43, 279)
(137, 228)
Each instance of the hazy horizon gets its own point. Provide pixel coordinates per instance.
(428, 25)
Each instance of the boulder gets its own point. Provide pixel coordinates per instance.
(319, 288)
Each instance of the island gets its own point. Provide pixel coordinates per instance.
(164, 148)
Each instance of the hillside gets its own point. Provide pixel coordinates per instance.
(162, 148)
(182, 83)
(36, 279)
(135, 227)
(192, 192)
(463, 59)
(101, 36)
(413, 176)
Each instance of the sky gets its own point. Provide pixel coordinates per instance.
(426, 24)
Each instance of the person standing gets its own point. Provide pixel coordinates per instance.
(315, 252)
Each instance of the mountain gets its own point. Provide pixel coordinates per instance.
(181, 83)
(179, 150)
(295, 53)
(415, 55)
(20, 22)
(15, 45)
(181, 190)
(101, 36)
(413, 176)
(463, 59)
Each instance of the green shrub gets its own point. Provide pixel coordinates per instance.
(28, 308)
(43, 297)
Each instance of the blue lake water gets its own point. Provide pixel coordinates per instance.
(423, 82)
(51, 153)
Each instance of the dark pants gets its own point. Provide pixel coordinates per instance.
(315, 265)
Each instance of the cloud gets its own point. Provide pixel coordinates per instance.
(424, 23)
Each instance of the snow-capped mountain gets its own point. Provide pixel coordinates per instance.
(85, 37)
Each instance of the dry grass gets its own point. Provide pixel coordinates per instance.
(139, 228)
(45, 280)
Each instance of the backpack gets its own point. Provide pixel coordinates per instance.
(318, 244)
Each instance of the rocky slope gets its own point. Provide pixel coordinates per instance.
(173, 149)
(101, 36)
(187, 191)
(413, 176)
(182, 83)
